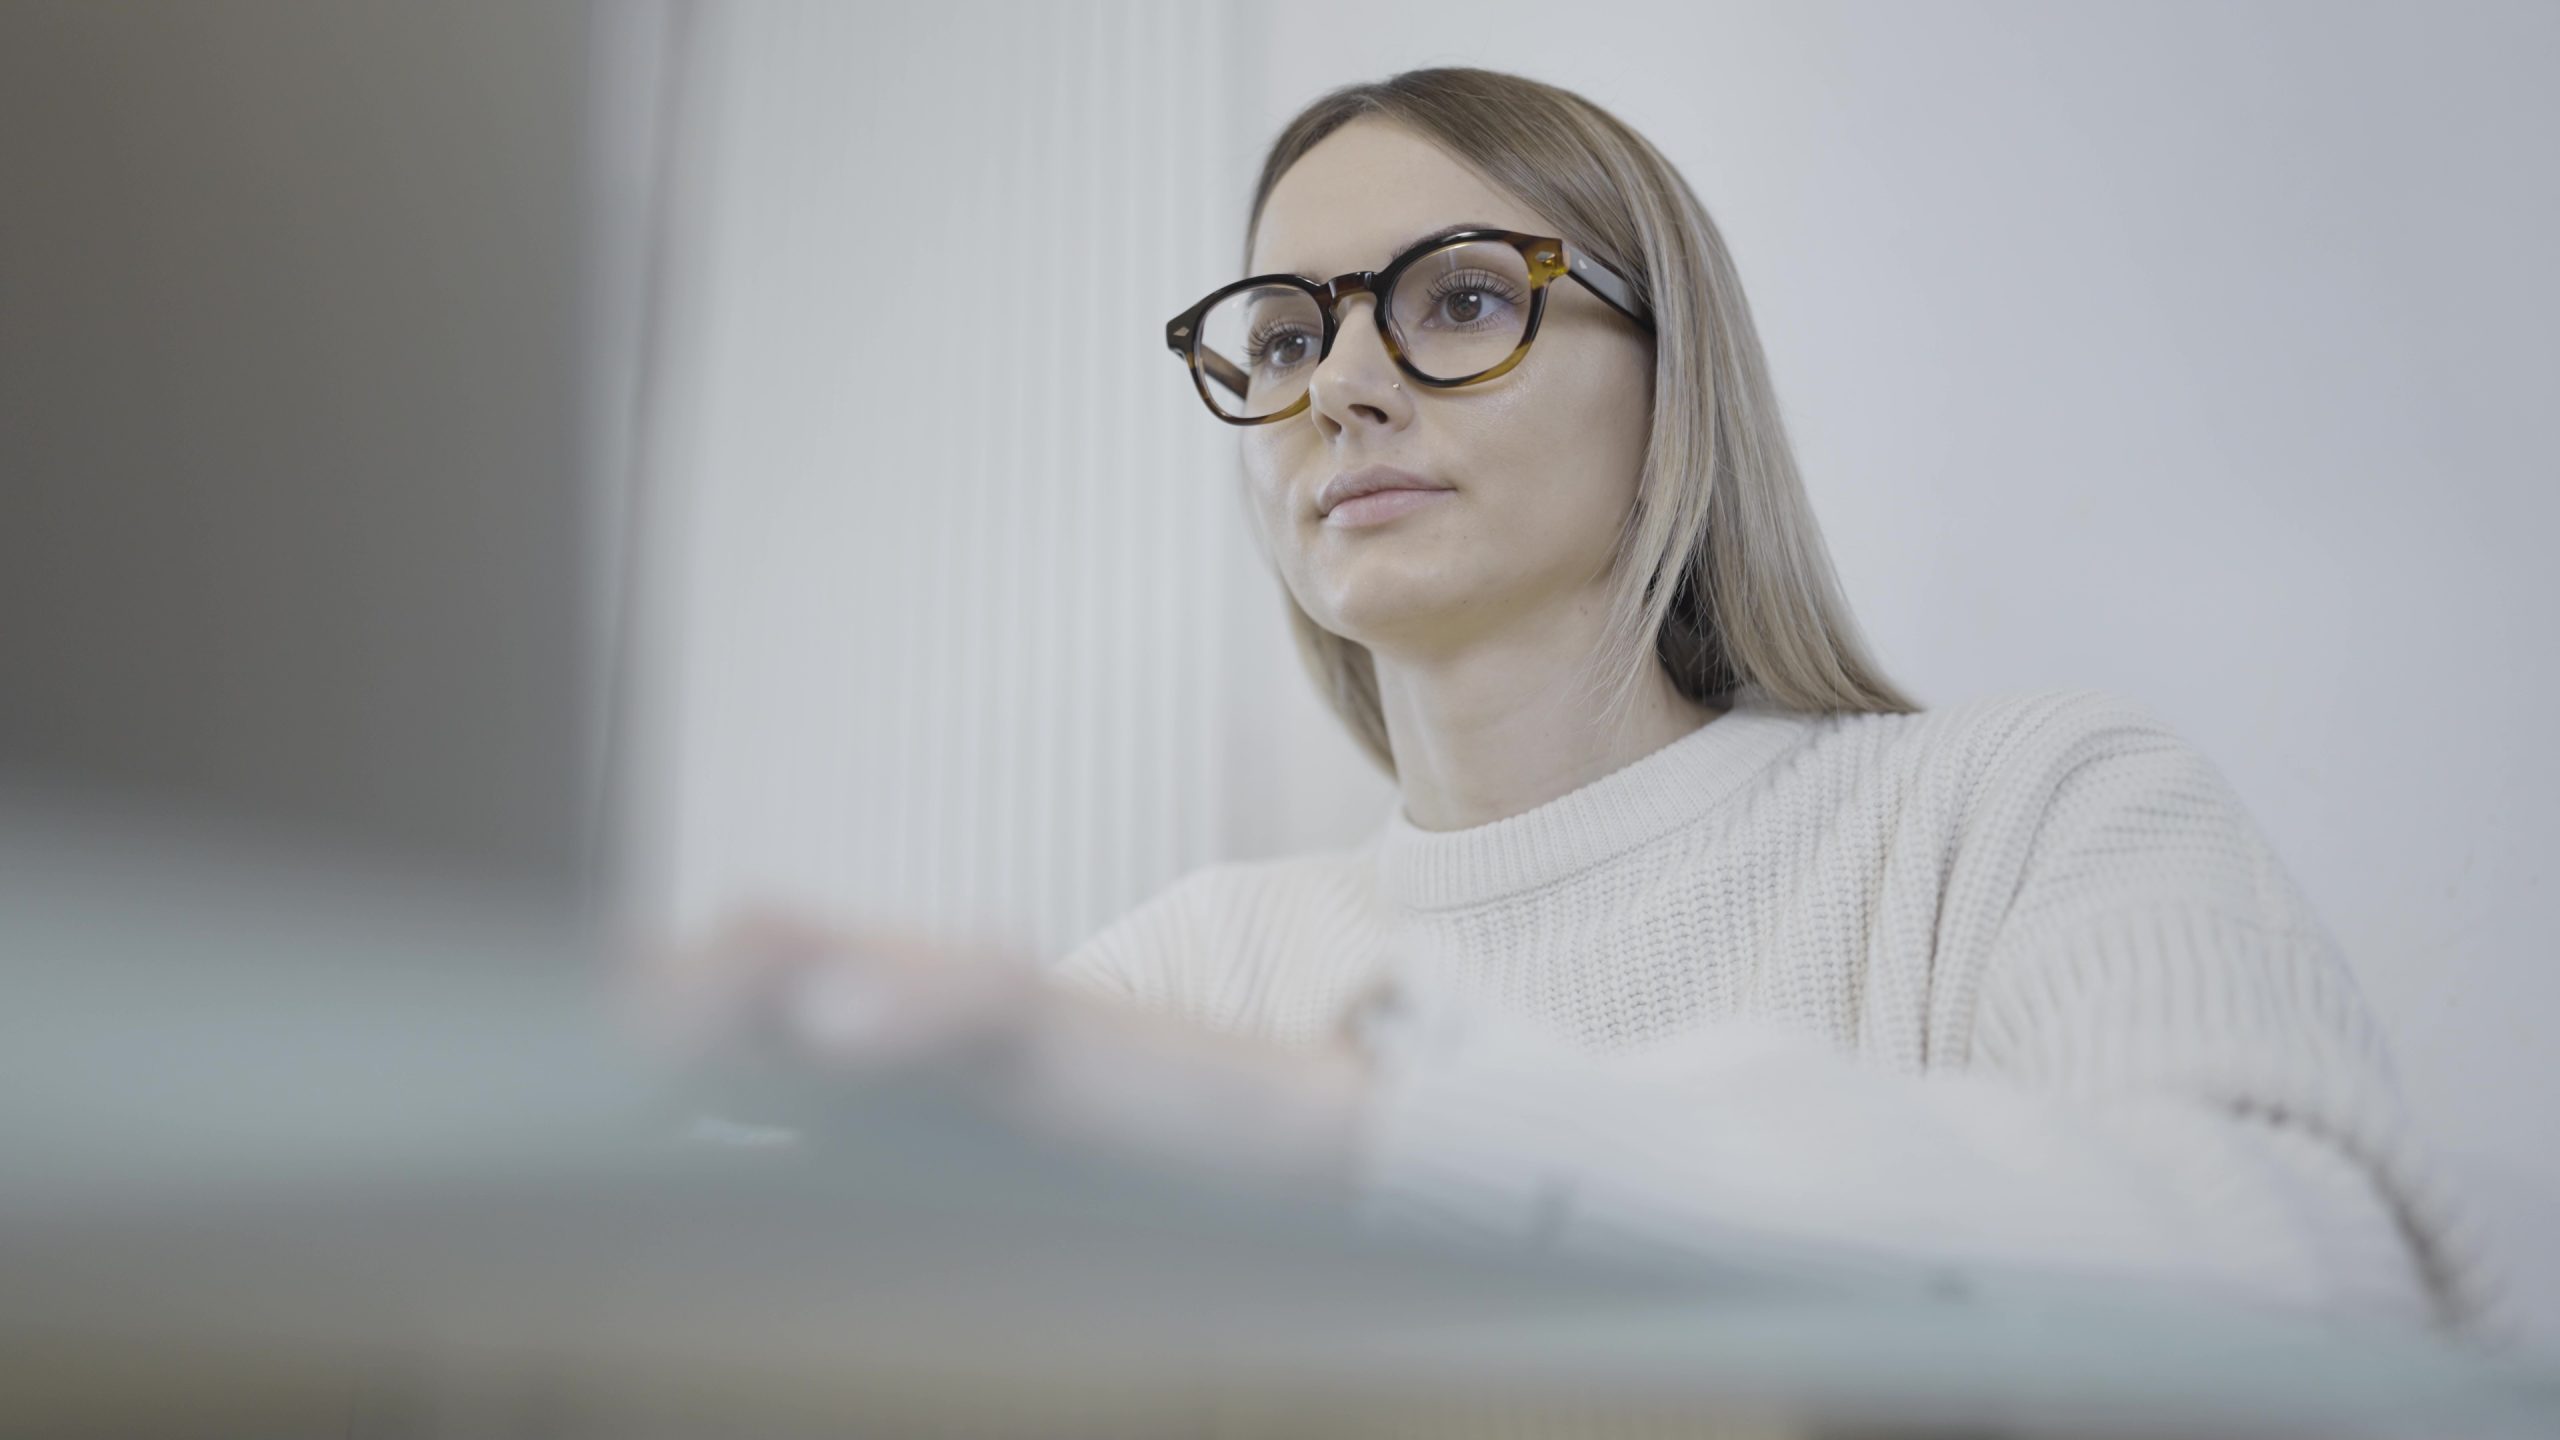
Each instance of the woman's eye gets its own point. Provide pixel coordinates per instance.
(1283, 348)
(1467, 302)
(1466, 306)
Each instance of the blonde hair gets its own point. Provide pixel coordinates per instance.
(1720, 571)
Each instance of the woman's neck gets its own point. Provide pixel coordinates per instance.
(1468, 756)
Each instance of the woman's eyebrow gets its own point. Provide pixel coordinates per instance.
(1443, 233)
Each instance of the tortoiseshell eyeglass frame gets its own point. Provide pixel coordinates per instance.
(1548, 258)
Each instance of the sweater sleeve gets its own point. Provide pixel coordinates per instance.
(1144, 956)
(2171, 1081)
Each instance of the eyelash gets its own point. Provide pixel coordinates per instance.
(1490, 284)
(1260, 344)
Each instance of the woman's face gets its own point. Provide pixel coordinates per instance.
(1542, 461)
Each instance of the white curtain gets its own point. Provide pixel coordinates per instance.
(940, 578)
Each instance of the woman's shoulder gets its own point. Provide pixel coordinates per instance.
(2000, 719)
(1164, 949)
(2071, 802)
(1976, 788)
(2011, 737)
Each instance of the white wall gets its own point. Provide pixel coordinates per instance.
(937, 529)
(2197, 352)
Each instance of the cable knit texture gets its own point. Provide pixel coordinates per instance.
(2017, 981)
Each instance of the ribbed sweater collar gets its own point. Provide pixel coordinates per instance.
(1641, 801)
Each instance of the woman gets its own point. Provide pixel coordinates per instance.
(1685, 917)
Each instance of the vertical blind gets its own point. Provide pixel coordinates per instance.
(936, 549)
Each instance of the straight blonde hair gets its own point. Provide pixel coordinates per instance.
(1720, 573)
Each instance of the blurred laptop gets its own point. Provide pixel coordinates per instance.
(313, 372)
(311, 494)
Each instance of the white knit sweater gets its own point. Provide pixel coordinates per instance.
(2012, 981)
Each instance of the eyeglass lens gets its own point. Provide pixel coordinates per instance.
(1456, 312)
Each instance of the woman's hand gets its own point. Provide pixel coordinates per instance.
(780, 984)
(871, 1003)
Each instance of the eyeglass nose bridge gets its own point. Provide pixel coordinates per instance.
(1333, 292)
(1343, 287)
(1329, 298)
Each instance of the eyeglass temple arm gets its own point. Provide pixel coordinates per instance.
(1178, 339)
(1223, 370)
(1600, 280)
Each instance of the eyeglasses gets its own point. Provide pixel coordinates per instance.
(1458, 309)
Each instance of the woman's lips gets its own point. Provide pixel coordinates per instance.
(1379, 506)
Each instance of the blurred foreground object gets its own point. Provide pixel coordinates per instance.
(297, 1145)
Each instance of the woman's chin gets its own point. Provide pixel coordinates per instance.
(1391, 617)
